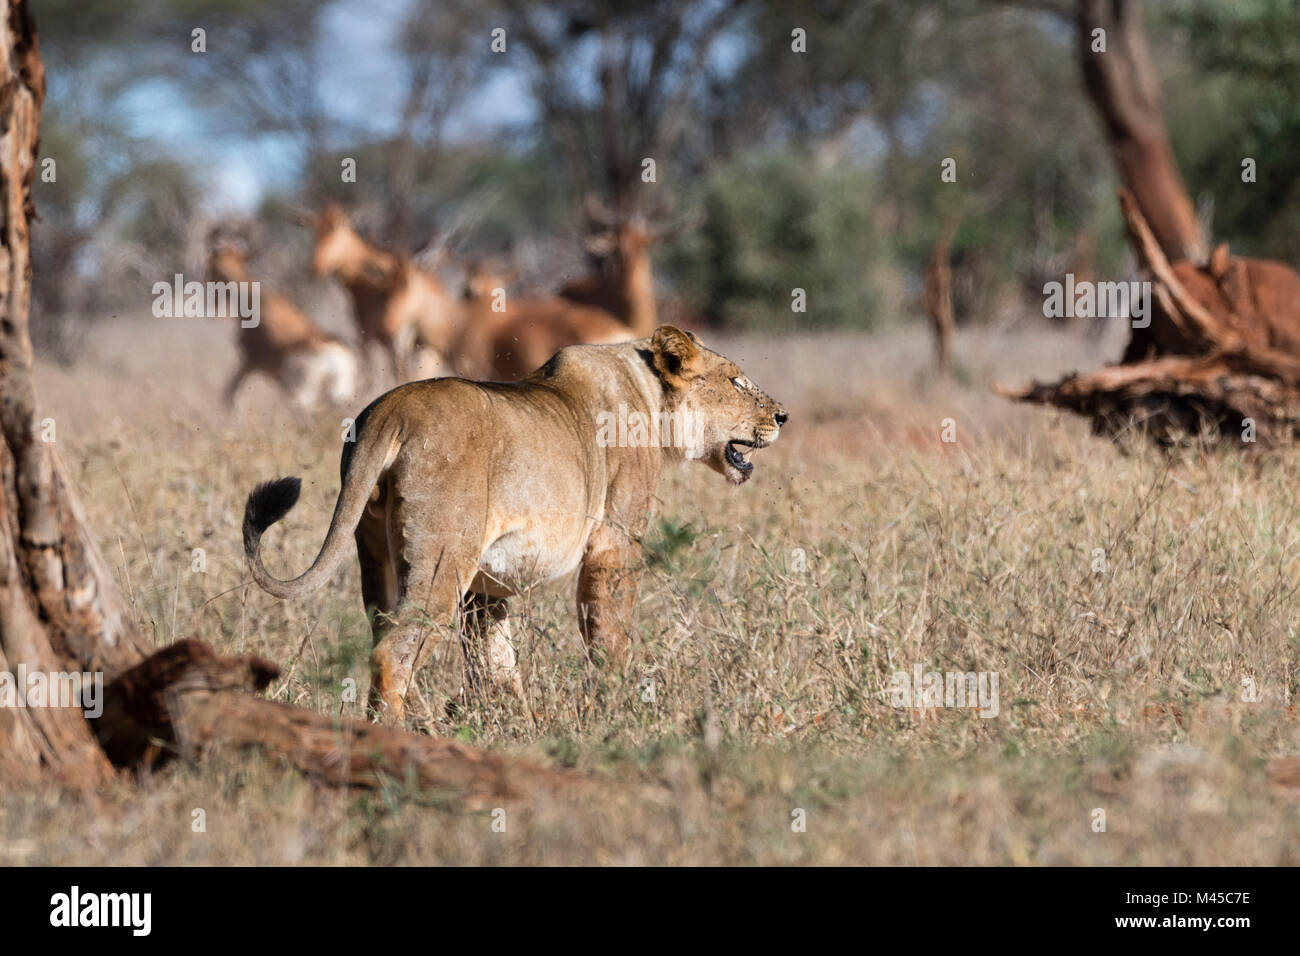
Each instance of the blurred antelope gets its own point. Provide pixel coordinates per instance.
(504, 338)
(305, 361)
(398, 306)
(621, 280)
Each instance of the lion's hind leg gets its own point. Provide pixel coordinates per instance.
(433, 572)
(407, 636)
(378, 580)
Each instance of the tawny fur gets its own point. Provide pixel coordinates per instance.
(460, 494)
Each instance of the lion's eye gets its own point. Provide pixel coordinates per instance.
(740, 382)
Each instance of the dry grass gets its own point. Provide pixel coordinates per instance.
(1119, 690)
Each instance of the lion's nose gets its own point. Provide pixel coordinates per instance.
(781, 418)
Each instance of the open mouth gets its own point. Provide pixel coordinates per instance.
(736, 458)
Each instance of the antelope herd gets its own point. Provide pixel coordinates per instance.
(406, 313)
(284, 343)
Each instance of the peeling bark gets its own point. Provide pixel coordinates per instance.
(59, 608)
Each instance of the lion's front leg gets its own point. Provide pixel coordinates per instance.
(607, 586)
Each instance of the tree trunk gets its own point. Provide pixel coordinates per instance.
(59, 608)
(62, 613)
(936, 295)
(1124, 88)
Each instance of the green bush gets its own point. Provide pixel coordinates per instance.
(772, 225)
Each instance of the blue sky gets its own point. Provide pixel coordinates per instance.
(358, 44)
(358, 41)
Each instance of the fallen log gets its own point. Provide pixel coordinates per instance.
(185, 700)
(1176, 397)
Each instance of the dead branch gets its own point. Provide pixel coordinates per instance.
(185, 701)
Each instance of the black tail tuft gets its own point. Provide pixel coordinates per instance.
(269, 502)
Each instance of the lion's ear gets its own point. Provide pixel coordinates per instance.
(676, 356)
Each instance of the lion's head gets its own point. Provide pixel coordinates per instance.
(726, 415)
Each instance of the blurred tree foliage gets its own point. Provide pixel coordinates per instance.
(817, 170)
(770, 226)
(1245, 103)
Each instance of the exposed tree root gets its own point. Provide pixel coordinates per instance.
(1220, 356)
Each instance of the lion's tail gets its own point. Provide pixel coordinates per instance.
(272, 500)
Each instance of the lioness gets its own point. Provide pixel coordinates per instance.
(460, 494)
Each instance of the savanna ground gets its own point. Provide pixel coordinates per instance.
(1120, 690)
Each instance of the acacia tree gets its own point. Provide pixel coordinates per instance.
(61, 612)
(651, 59)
